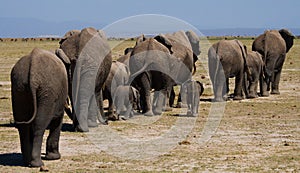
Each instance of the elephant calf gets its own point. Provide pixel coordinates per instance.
(255, 64)
(126, 99)
(194, 90)
(39, 86)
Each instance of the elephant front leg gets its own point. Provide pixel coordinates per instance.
(52, 146)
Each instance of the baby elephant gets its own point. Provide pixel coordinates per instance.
(126, 99)
(194, 90)
(255, 64)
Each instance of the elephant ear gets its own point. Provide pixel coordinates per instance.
(62, 56)
(128, 50)
(140, 39)
(165, 41)
(69, 34)
(194, 41)
(85, 36)
(288, 38)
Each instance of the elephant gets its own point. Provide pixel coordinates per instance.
(126, 99)
(39, 88)
(152, 60)
(91, 59)
(194, 90)
(273, 45)
(187, 48)
(255, 65)
(125, 58)
(227, 59)
(118, 75)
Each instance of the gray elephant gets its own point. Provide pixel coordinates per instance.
(39, 87)
(226, 59)
(152, 60)
(118, 75)
(255, 65)
(126, 99)
(90, 57)
(273, 46)
(187, 48)
(193, 89)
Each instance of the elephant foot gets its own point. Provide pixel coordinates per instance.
(191, 114)
(36, 163)
(276, 92)
(157, 112)
(167, 108)
(79, 129)
(149, 113)
(237, 98)
(92, 123)
(113, 117)
(265, 94)
(44, 169)
(218, 100)
(181, 105)
(52, 156)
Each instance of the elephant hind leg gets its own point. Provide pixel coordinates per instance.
(26, 139)
(52, 146)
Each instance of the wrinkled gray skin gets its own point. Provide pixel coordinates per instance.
(185, 46)
(152, 60)
(226, 59)
(126, 99)
(255, 64)
(194, 90)
(39, 86)
(90, 57)
(118, 75)
(273, 46)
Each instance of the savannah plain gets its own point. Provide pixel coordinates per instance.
(257, 135)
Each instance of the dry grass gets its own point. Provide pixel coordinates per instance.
(259, 135)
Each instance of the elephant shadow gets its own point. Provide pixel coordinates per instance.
(11, 159)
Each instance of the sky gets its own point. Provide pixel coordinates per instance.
(204, 14)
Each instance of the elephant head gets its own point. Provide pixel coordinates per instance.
(288, 38)
(185, 46)
(194, 41)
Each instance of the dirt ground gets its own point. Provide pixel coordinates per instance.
(257, 135)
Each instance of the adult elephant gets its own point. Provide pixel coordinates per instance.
(39, 86)
(226, 59)
(255, 65)
(118, 76)
(186, 47)
(90, 57)
(273, 46)
(153, 65)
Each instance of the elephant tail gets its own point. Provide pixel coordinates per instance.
(244, 54)
(34, 100)
(194, 66)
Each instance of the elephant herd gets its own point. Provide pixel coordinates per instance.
(82, 70)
